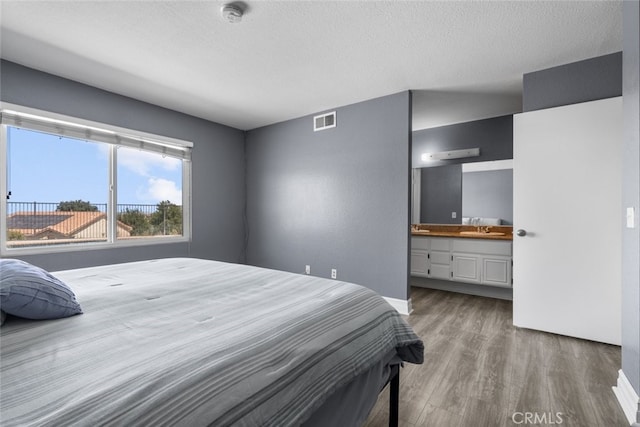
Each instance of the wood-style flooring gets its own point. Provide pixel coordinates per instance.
(480, 370)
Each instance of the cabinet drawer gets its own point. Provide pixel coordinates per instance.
(439, 257)
(419, 243)
(484, 247)
(440, 244)
(440, 271)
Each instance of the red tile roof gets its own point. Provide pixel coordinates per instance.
(66, 223)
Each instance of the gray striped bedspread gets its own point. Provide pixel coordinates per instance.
(190, 342)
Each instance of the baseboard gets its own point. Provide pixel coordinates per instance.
(402, 306)
(627, 398)
(463, 288)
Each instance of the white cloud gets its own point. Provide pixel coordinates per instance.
(142, 162)
(159, 189)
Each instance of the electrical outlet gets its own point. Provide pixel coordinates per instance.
(307, 269)
(334, 273)
(454, 214)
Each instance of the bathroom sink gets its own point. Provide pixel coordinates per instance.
(420, 231)
(482, 233)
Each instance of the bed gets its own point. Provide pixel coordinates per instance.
(192, 342)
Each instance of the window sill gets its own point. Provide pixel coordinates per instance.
(81, 247)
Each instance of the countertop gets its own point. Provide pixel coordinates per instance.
(446, 230)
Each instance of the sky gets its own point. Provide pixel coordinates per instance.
(49, 169)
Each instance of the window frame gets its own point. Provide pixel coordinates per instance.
(112, 240)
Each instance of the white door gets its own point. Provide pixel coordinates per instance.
(567, 184)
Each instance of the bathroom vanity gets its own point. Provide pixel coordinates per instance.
(463, 254)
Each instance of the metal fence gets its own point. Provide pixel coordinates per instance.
(70, 222)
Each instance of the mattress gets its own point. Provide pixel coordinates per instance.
(190, 342)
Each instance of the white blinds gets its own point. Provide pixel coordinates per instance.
(90, 133)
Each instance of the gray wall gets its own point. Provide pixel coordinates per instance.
(488, 194)
(493, 136)
(631, 197)
(337, 198)
(217, 168)
(441, 194)
(588, 80)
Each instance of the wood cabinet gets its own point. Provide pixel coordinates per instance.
(480, 261)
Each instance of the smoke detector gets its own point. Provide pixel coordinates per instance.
(232, 12)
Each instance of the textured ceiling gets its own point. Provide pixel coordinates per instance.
(286, 59)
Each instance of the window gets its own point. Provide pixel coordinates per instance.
(149, 194)
(72, 183)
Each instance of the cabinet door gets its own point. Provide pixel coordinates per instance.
(419, 263)
(440, 265)
(466, 268)
(496, 271)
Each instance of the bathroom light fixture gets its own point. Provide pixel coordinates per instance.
(232, 12)
(452, 154)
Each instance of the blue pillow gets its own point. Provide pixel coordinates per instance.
(31, 292)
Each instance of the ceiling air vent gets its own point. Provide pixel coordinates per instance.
(324, 121)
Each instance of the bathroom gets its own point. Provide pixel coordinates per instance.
(462, 201)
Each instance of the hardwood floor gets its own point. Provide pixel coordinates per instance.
(480, 370)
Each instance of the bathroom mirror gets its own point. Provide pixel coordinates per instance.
(479, 193)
